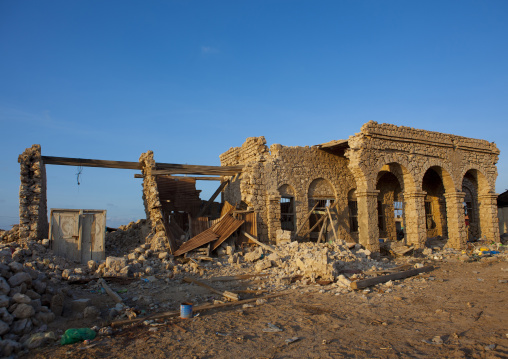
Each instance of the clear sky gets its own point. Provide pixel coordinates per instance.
(190, 79)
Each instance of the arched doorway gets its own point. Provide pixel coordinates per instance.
(435, 203)
(321, 193)
(390, 207)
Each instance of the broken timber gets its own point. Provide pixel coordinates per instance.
(385, 278)
(110, 292)
(255, 240)
(214, 196)
(229, 295)
(195, 309)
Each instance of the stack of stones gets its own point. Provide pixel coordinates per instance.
(11, 235)
(32, 195)
(127, 237)
(25, 298)
(153, 207)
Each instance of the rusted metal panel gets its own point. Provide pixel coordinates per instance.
(197, 241)
(225, 228)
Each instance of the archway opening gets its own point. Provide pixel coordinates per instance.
(435, 204)
(321, 195)
(471, 205)
(390, 207)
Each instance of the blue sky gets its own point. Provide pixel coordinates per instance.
(190, 79)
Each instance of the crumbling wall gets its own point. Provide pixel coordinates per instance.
(153, 208)
(266, 172)
(33, 212)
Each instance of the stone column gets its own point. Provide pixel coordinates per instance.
(414, 214)
(489, 221)
(457, 232)
(33, 215)
(367, 219)
(153, 207)
(273, 214)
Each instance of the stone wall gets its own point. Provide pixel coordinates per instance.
(153, 208)
(409, 154)
(33, 212)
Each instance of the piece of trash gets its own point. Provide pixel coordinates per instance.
(291, 340)
(222, 334)
(122, 291)
(75, 335)
(272, 328)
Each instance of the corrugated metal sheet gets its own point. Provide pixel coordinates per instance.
(197, 241)
(225, 228)
(178, 194)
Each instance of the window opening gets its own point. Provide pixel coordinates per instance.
(380, 216)
(353, 216)
(468, 212)
(287, 213)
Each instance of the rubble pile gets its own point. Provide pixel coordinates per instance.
(127, 237)
(26, 295)
(11, 235)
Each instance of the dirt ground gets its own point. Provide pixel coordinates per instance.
(458, 310)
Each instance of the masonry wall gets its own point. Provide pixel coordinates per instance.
(33, 212)
(408, 153)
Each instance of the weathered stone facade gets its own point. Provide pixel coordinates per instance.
(33, 218)
(433, 175)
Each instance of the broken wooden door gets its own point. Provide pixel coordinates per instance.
(78, 235)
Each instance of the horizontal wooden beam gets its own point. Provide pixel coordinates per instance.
(85, 162)
(218, 171)
(216, 178)
(160, 168)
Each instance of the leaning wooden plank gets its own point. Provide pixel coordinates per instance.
(194, 309)
(385, 278)
(332, 224)
(197, 241)
(227, 294)
(322, 231)
(304, 221)
(210, 201)
(110, 292)
(320, 220)
(255, 240)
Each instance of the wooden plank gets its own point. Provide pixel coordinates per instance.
(85, 162)
(214, 196)
(110, 292)
(203, 178)
(322, 231)
(304, 221)
(385, 278)
(228, 295)
(255, 240)
(194, 309)
(237, 277)
(320, 220)
(332, 224)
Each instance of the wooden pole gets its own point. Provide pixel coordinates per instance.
(385, 278)
(332, 224)
(305, 221)
(255, 240)
(229, 295)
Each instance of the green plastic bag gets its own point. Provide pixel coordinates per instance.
(77, 335)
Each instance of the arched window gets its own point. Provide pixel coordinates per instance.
(353, 211)
(287, 208)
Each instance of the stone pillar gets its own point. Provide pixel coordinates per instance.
(33, 211)
(273, 214)
(153, 207)
(414, 214)
(457, 232)
(367, 219)
(489, 221)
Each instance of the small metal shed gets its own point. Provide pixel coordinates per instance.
(78, 234)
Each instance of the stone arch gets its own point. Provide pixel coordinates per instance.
(400, 167)
(483, 184)
(321, 188)
(471, 206)
(287, 190)
(444, 173)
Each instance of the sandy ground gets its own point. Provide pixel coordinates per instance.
(458, 310)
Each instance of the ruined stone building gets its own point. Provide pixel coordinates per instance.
(385, 182)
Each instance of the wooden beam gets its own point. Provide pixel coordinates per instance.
(228, 295)
(66, 161)
(385, 278)
(194, 309)
(332, 224)
(255, 240)
(322, 231)
(320, 220)
(216, 178)
(305, 221)
(214, 196)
